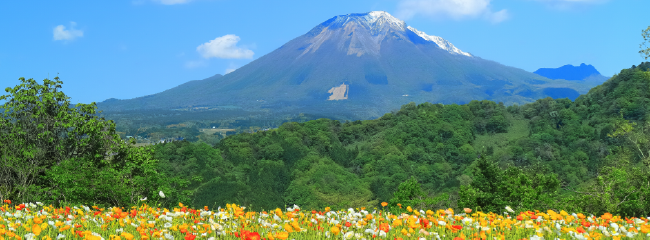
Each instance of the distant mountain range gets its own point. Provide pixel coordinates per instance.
(358, 66)
(573, 73)
(584, 73)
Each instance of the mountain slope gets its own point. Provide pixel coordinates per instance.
(373, 62)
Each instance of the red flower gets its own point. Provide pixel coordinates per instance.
(384, 227)
(581, 230)
(190, 236)
(251, 236)
(457, 227)
(520, 217)
(247, 235)
(8, 201)
(424, 222)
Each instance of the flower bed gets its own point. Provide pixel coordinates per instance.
(35, 221)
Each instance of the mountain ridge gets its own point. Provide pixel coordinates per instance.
(570, 72)
(382, 62)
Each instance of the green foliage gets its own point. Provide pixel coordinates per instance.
(493, 189)
(589, 155)
(326, 184)
(623, 191)
(409, 193)
(489, 117)
(52, 152)
(646, 43)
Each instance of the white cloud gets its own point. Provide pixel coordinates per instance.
(455, 9)
(224, 47)
(569, 4)
(195, 64)
(231, 67)
(171, 2)
(497, 17)
(574, 1)
(60, 33)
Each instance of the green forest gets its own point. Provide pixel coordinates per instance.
(588, 155)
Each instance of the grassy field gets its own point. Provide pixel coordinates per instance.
(517, 130)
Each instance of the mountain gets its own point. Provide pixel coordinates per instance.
(570, 72)
(358, 66)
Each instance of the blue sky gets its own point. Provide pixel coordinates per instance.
(131, 48)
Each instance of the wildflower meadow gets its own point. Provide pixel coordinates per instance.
(37, 221)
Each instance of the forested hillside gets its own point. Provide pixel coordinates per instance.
(590, 155)
(329, 163)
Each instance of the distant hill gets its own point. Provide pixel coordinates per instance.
(572, 73)
(358, 66)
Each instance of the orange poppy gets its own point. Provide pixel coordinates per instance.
(335, 230)
(606, 216)
(282, 235)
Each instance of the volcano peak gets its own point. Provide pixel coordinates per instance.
(360, 65)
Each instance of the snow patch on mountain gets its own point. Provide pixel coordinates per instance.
(442, 43)
(379, 18)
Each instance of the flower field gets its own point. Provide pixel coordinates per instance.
(36, 221)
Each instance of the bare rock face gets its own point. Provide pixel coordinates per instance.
(338, 93)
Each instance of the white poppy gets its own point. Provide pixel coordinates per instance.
(30, 236)
(348, 235)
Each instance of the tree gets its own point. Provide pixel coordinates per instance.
(52, 151)
(492, 189)
(409, 193)
(637, 139)
(618, 190)
(646, 43)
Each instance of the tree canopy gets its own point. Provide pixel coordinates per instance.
(645, 45)
(52, 151)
